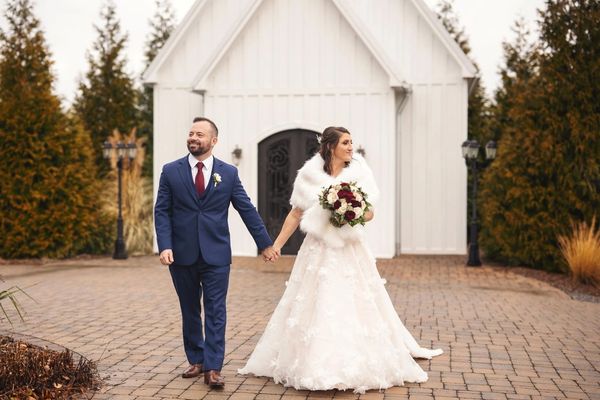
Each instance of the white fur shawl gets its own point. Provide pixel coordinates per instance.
(309, 184)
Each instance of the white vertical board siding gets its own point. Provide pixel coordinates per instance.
(281, 73)
(432, 174)
(457, 118)
(408, 39)
(430, 130)
(206, 35)
(277, 51)
(246, 120)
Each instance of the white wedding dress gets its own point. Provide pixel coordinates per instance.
(335, 326)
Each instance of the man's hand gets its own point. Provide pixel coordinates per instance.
(271, 254)
(166, 257)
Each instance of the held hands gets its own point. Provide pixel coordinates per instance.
(166, 257)
(271, 254)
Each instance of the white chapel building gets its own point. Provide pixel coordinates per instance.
(271, 73)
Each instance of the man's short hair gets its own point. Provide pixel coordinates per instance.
(214, 126)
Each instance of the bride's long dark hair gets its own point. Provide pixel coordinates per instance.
(329, 140)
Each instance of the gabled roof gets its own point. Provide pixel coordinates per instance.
(396, 76)
(468, 69)
(199, 82)
(149, 76)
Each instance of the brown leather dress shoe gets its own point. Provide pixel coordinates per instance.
(192, 371)
(214, 379)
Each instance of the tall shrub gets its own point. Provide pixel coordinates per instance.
(106, 99)
(48, 197)
(548, 167)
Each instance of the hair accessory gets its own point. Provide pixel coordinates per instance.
(318, 135)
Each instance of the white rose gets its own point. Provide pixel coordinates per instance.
(332, 197)
(358, 197)
(358, 211)
(343, 207)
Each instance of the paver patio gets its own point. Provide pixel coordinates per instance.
(505, 336)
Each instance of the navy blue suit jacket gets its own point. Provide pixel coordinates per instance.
(191, 225)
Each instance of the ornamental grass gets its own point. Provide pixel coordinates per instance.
(137, 197)
(9, 296)
(581, 251)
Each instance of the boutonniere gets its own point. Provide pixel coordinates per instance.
(217, 179)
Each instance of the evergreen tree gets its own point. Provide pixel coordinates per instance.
(479, 108)
(107, 97)
(161, 25)
(48, 201)
(548, 167)
(501, 182)
(449, 19)
(570, 66)
(520, 66)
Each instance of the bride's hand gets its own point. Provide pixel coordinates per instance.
(270, 254)
(369, 215)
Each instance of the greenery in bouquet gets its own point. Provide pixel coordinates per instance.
(347, 203)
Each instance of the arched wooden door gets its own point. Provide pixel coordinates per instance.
(279, 158)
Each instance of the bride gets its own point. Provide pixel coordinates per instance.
(335, 326)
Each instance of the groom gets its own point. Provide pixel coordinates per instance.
(190, 216)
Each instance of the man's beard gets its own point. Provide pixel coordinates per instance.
(200, 150)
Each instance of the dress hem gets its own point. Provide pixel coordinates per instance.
(359, 389)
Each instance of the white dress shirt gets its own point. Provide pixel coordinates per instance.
(208, 164)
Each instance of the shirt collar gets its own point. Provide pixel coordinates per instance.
(208, 163)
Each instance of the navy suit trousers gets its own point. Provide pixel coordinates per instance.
(203, 285)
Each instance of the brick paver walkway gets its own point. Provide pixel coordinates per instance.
(504, 336)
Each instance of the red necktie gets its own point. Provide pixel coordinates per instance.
(199, 182)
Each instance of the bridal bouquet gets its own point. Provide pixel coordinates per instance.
(347, 203)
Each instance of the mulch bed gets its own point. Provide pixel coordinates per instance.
(576, 290)
(31, 372)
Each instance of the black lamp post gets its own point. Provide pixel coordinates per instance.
(123, 150)
(470, 151)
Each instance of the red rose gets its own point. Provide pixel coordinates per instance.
(355, 203)
(337, 204)
(349, 215)
(345, 194)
